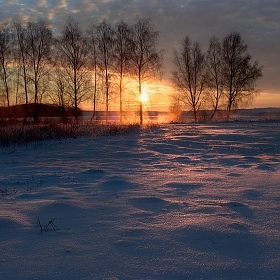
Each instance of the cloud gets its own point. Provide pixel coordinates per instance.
(258, 22)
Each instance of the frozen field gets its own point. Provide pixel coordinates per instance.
(174, 202)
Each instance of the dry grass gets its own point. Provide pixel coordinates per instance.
(22, 134)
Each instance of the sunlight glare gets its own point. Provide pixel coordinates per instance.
(144, 96)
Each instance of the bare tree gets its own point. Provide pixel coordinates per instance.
(21, 56)
(145, 58)
(122, 51)
(214, 74)
(6, 41)
(189, 75)
(105, 37)
(91, 33)
(74, 51)
(59, 84)
(39, 40)
(239, 73)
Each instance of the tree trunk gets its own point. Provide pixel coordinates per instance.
(121, 89)
(140, 101)
(75, 95)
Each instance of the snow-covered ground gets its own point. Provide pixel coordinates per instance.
(173, 202)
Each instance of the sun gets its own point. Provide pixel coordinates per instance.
(144, 97)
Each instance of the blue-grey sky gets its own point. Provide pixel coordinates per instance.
(258, 21)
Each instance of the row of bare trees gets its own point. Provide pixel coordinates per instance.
(77, 64)
(223, 77)
(100, 62)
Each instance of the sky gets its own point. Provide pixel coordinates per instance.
(257, 21)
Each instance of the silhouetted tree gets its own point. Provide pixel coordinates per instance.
(39, 40)
(146, 59)
(214, 74)
(60, 94)
(122, 52)
(6, 46)
(74, 51)
(21, 56)
(93, 42)
(239, 74)
(105, 37)
(189, 74)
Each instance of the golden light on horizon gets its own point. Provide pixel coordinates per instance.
(144, 97)
(155, 96)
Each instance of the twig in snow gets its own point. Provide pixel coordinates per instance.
(51, 223)
(40, 225)
(46, 226)
(212, 241)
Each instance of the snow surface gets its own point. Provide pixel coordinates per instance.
(174, 202)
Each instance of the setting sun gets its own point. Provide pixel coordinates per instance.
(144, 97)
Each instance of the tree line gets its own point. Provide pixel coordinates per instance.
(99, 63)
(223, 77)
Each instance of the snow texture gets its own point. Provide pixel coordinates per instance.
(173, 202)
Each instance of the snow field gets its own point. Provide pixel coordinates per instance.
(173, 202)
